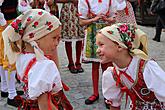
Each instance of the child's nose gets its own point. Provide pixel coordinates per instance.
(98, 50)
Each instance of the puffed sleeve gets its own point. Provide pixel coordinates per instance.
(43, 77)
(82, 9)
(113, 8)
(110, 91)
(154, 78)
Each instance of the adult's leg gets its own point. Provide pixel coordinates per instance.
(71, 66)
(158, 29)
(78, 55)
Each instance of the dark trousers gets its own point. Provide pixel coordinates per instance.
(160, 24)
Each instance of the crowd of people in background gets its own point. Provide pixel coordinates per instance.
(106, 34)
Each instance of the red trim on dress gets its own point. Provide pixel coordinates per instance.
(139, 92)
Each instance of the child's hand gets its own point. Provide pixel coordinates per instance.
(97, 18)
(109, 20)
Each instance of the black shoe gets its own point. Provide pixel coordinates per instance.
(72, 69)
(79, 68)
(13, 102)
(4, 94)
(91, 99)
(156, 39)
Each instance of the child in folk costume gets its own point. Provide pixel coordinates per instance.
(95, 14)
(125, 13)
(7, 14)
(71, 31)
(132, 72)
(34, 37)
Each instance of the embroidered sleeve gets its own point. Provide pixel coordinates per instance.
(43, 77)
(110, 91)
(82, 9)
(155, 80)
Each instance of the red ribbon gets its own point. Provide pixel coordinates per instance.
(126, 10)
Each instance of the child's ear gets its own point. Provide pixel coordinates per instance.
(119, 48)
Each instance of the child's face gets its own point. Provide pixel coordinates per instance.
(49, 43)
(107, 50)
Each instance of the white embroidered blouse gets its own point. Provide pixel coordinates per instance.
(154, 78)
(42, 77)
(96, 7)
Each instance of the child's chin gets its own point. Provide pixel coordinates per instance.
(103, 61)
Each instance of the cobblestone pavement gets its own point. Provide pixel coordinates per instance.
(81, 84)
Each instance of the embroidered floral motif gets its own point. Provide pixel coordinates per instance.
(35, 24)
(17, 25)
(40, 13)
(29, 18)
(127, 33)
(110, 32)
(49, 24)
(31, 35)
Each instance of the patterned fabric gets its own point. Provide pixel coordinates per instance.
(141, 97)
(59, 100)
(71, 30)
(30, 26)
(129, 37)
(90, 39)
(122, 17)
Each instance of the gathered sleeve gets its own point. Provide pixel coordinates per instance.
(110, 91)
(82, 9)
(43, 77)
(154, 78)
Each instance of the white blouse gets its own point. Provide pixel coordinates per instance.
(154, 78)
(96, 7)
(42, 77)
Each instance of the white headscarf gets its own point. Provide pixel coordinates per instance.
(129, 37)
(30, 26)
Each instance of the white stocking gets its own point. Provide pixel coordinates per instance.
(4, 87)
(11, 84)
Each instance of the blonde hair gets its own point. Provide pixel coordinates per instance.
(18, 46)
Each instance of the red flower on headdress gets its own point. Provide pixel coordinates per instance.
(17, 25)
(14, 25)
(29, 18)
(123, 28)
(110, 32)
(31, 35)
(40, 13)
(35, 24)
(50, 27)
(18, 21)
(48, 23)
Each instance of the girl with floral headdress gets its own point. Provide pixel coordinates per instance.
(95, 14)
(30, 41)
(132, 72)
